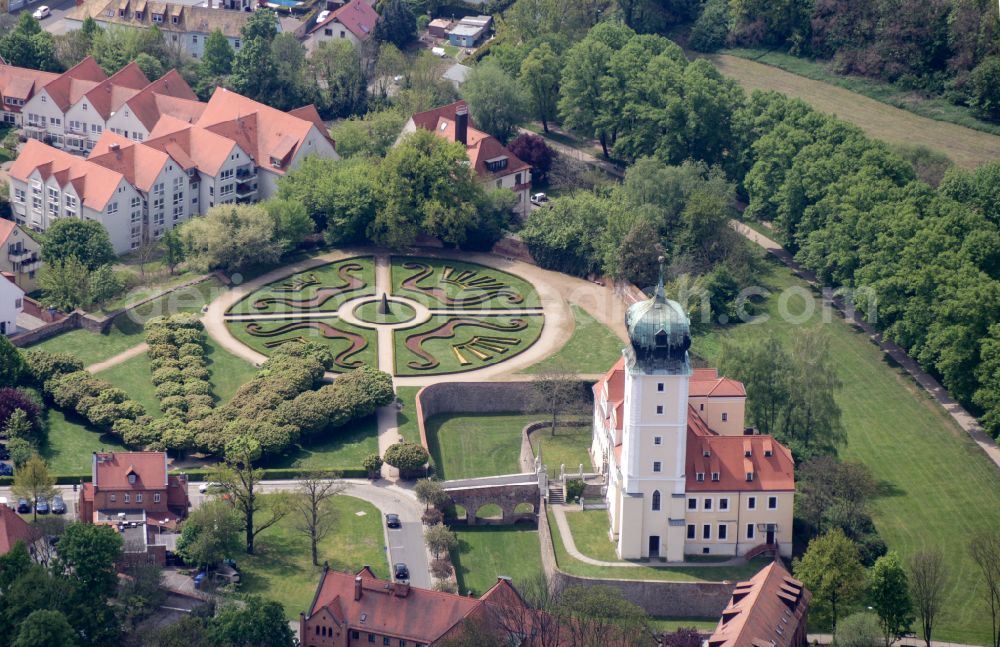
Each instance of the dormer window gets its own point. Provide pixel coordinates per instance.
(768, 453)
(747, 453)
(715, 476)
(749, 477)
(706, 453)
(138, 16)
(496, 164)
(700, 477)
(157, 17)
(275, 162)
(131, 479)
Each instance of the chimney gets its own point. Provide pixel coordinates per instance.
(462, 124)
(357, 588)
(114, 146)
(400, 589)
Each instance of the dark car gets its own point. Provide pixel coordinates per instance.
(400, 572)
(4, 453)
(23, 506)
(58, 505)
(392, 521)
(6, 469)
(42, 505)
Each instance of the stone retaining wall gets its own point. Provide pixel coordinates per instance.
(70, 322)
(676, 599)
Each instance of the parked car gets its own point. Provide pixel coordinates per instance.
(4, 453)
(42, 505)
(400, 572)
(58, 505)
(226, 573)
(6, 469)
(392, 521)
(23, 506)
(209, 486)
(539, 198)
(41, 12)
(323, 15)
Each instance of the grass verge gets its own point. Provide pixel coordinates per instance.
(282, 570)
(486, 552)
(568, 447)
(407, 417)
(593, 348)
(939, 486)
(342, 448)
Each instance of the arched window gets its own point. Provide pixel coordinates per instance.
(656, 499)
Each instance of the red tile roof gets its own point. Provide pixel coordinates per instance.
(168, 95)
(768, 610)
(410, 613)
(13, 529)
(111, 470)
(7, 228)
(75, 82)
(139, 164)
(260, 130)
(358, 17)
(727, 457)
(93, 183)
(480, 147)
(191, 146)
(109, 95)
(22, 83)
(705, 382)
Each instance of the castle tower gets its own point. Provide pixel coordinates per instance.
(650, 515)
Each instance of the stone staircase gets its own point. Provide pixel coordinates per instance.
(556, 493)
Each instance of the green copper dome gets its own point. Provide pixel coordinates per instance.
(659, 332)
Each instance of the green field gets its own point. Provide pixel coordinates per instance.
(500, 344)
(642, 572)
(593, 348)
(407, 417)
(507, 285)
(133, 377)
(326, 275)
(568, 447)
(486, 552)
(71, 443)
(673, 624)
(342, 448)
(368, 355)
(940, 487)
(282, 569)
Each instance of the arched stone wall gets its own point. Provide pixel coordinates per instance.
(507, 497)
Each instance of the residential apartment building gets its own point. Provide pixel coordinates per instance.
(44, 115)
(234, 151)
(354, 610)
(17, 86)
(184, 26)
(684, 477)
(494, 164)
(170, 95)
(11, 303)
(20, 255)
(134, 493)
(353, 22)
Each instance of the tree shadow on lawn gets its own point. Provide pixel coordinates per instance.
(104, 440)
(887, 489)
(329, 443)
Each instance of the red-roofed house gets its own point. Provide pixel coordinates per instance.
(17, 86)
(354, 610)
(684, 476)
(45, 112)
(353, 22)
(771, 609)
(133, 492)
(14, 529)
(495, 166)
(20, 254)
(170, 95)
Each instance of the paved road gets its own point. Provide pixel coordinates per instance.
(404, 545)
(54, 24)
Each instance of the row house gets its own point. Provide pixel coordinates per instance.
(20, 254)
(235, 151)
(17, 86)
(44, 115)
(494, 164)
(184, 26)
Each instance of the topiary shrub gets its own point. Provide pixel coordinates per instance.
(168, 389)
(190, 350)
(372, 465)
(197, 387)
(162, 351)
(406, 457)
(432, 516)
(166, 374)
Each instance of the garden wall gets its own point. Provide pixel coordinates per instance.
(471, 397)
(675, 599)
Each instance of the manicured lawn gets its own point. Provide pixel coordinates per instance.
(486, 552)
(568, 447)
(341, 449)
(367, 355)
(661, 623)
(474, 445)
(133, 377)
(227, 372)
(642, 572)
(407, 417)
(590, 534)
(399, 312)
(71, 444)
(160, 284)
(459, 286)
(593, 348)
(496, 346)
(940, 488)
(325, 275)
(282, 569)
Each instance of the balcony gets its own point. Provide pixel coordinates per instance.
(20, 255)
(246, 172)
(246, 190)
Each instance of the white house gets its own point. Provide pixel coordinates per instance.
(17, 86)
(684, 477)
(353, 22)
(44, 114)
(11, 303)
(170, 95)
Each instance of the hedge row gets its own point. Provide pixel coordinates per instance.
(106, 407)
(179, 371)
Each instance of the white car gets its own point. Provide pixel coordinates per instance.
(322, 16)
(539, 198)
(209, 486)
(41, 12)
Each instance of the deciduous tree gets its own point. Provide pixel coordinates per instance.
(889, 596)
(86, 240)
(210, 534)
(928, 578)
(830, 568)
(430, 492)
(241, 481)
(540, 72)
(33, 481)
(440, 539)
(313, 515)
(985, 550)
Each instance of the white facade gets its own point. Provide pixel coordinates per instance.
(126, 124)
(333, 30)
(11, 304)
(43, 119)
